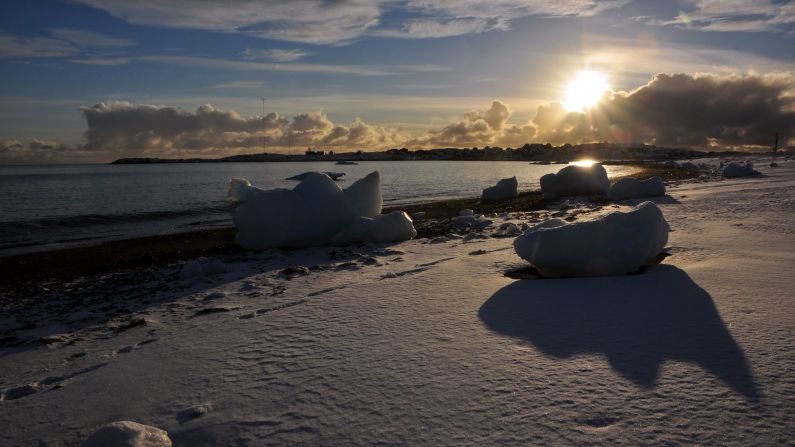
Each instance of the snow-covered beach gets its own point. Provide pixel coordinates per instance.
(427, 342)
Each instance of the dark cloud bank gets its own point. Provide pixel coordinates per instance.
(698, 111)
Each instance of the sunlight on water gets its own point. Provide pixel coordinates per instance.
(586, 163)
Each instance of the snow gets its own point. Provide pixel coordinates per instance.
(190, 270)
(504, 189)
(632, 188)
(576, 180)
(311, 214)
(616, 244)
(737, 169)
(430, 344)
(128, 434)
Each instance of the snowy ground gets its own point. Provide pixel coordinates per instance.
(426, 342)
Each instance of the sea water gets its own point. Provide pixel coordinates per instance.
(45, 207)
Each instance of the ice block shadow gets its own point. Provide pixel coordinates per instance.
(637, 322)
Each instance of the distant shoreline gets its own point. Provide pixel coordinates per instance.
(528, 152)
(142, 252)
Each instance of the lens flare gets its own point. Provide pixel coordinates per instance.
(585, 90)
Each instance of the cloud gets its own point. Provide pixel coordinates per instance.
(241, 85)
(261, 66)
(736, 15)
(38, 151)
(510, 9)
(13, 47)
(444, 18)
(142, 130)
(700, 111)
(90, 39)
(102, 61)
(307, 21)
(277, 55)
(422, 29)
(475, 129)
(340, 22)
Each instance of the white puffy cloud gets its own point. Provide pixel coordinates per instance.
(137, 130)
(475, 129)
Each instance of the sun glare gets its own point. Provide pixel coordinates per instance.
(585, 163)
(585, 90)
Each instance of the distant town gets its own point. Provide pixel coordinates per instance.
(605, 152)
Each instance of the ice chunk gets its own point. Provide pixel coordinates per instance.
(736, 169)
(616, 244)
(632, 188)
(393, 227)
(128, 434)
(240, 189)
(310, 214)
(504, 189)
(671, 164)
(575, 180)
(364, 195)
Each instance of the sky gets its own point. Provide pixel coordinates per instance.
(93, 80)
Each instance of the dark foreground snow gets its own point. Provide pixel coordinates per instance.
(427, 343)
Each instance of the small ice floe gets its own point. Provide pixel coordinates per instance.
(504, 189)
(314, 213)
(632, 188)
(332, 175)
(615, 244)
(128, 434)
(575, 180)
(737, 169)
(671, 164)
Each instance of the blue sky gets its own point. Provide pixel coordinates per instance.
(407, 65)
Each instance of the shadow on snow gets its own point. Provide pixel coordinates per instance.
(636, 321)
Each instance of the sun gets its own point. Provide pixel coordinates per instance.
(585, 90)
